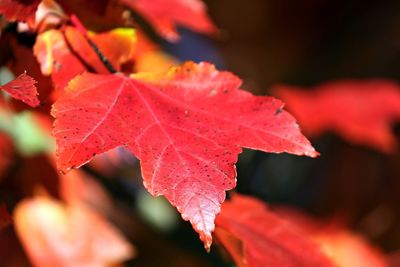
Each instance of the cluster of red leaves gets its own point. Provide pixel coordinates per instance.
(187, 127)
(65, 53)
(164, 15)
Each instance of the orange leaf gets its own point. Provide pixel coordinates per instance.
(55, 234)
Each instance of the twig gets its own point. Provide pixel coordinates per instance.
(76, 54)
(79, 26)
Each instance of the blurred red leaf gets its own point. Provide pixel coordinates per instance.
(77, 186)
(255, 236)
(23, 88)
(343, 247)
(19, 10)
(165, 14)
(63, 54)
(360, 111)
(187, 127)
(54, 234)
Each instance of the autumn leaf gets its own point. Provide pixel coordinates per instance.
(57, 234)
(362, 112)
(187, 128)
(23, 88)
(344, 247)
(19, 10)
(63, 54)
(255, 236)
(347, 249)
(164, 15)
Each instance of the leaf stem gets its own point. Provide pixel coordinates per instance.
(79, 26)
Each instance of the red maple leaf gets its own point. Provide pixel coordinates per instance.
(187, 128)
(19, 10)
(165, 14)
(63, 54)
(255, 236)
(360, 111)
(23, 88)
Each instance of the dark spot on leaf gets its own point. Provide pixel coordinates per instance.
(278, 111)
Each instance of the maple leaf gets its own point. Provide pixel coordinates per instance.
(19, 10)
(63, 54)
(187, 128)
(23, 88)
(255, 236)
(360, 111)
(164, 14)
(57, 234)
